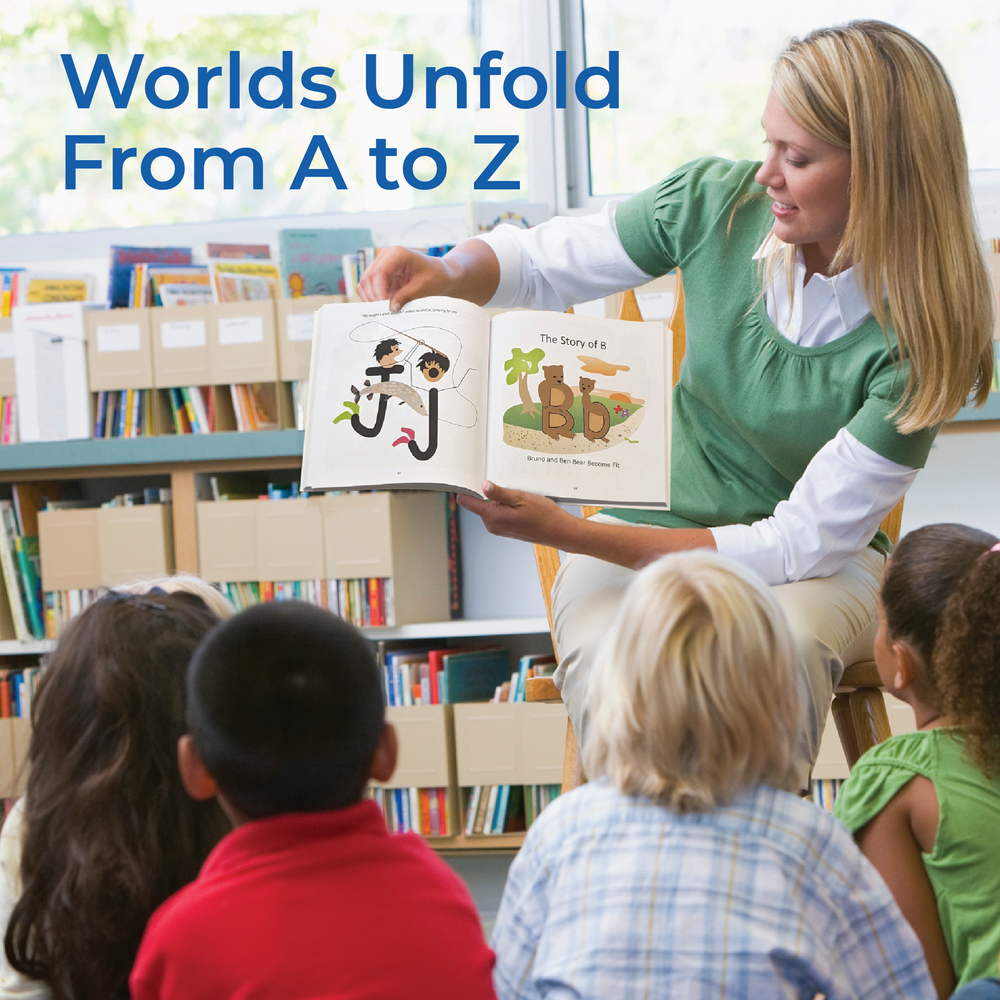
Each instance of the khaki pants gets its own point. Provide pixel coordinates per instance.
(833, 621)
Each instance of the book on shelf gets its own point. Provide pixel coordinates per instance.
(8, 419)
(17, 691)
(312, 259)
(418, 810)
(406, 679)
(35, 288)
(824, 792)
(497, 809)
(439, 396)
(485, 216)
(10, 280)
(362, 602)
(238, 251)
(123, 413)
(454, 556)
(300, 393)
(123, 261)
(21, 572)
(251, 406)
(244, 280)
(176, 285)
(53, 399)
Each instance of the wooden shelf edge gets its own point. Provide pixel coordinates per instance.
(166, 449)
(459, 628)
(464, 844)
(27, 647)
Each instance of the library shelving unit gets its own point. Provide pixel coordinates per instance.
(184, 458)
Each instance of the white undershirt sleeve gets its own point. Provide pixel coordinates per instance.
(832, 514)
(562, 262)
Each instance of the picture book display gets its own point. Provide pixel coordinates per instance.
(439, 396)
(312, 259)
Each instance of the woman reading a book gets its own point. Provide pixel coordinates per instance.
(838, 309)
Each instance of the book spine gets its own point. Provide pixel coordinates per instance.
(125, 416)
(442, 800)
(10, 575)
(237, 407)
(433, 812)
(102, 402)
(197, 401)
(189, 409)
(454, 556)
(32, 593)
(473, 809)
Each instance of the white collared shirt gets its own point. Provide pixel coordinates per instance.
(846, 490)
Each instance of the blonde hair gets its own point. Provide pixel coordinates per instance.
(188, 583)
(875, 90)
(693, 695)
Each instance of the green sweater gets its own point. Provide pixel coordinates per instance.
(751, 408)
(964, 867)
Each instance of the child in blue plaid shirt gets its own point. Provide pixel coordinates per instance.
(687, 867)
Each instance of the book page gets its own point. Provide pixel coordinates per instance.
(579, 408)
(398, 400)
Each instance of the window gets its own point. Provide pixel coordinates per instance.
(37, 109)
(694, 77)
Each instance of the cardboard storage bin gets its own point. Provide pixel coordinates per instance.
(15, 736)
(8, 387)
(241, 342)
(294, 333)
(119, 349)
(181, 353)
(242, 541)
(426, 746)
(402, 536)
(227, 540)
(512, 743)
(290, 540)
(135, 543)
(67, 540)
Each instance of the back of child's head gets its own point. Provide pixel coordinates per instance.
(285, 708)
(694, 694)
(941, 594)
(923, 573)
(188, 583)
(109, 830)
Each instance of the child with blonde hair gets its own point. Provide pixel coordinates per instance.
(687, 866)
(925, 807)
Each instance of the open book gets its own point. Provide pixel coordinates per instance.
(441, 396)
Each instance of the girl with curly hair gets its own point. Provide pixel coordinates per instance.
(925, 806)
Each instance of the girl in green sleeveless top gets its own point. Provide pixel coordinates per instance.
(925, 806)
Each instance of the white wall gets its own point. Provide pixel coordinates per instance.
(960, 483)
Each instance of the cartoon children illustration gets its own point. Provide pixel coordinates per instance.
(387, 350)
(432, 365)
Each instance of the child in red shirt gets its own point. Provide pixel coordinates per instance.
(310, 896)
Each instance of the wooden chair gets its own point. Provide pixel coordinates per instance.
(858, 705)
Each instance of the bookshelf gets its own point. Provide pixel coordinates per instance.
(187, 459)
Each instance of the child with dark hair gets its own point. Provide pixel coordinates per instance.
(433, 364)
(105, 831)
(310, 896)
(925, 806)
(386, 352)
